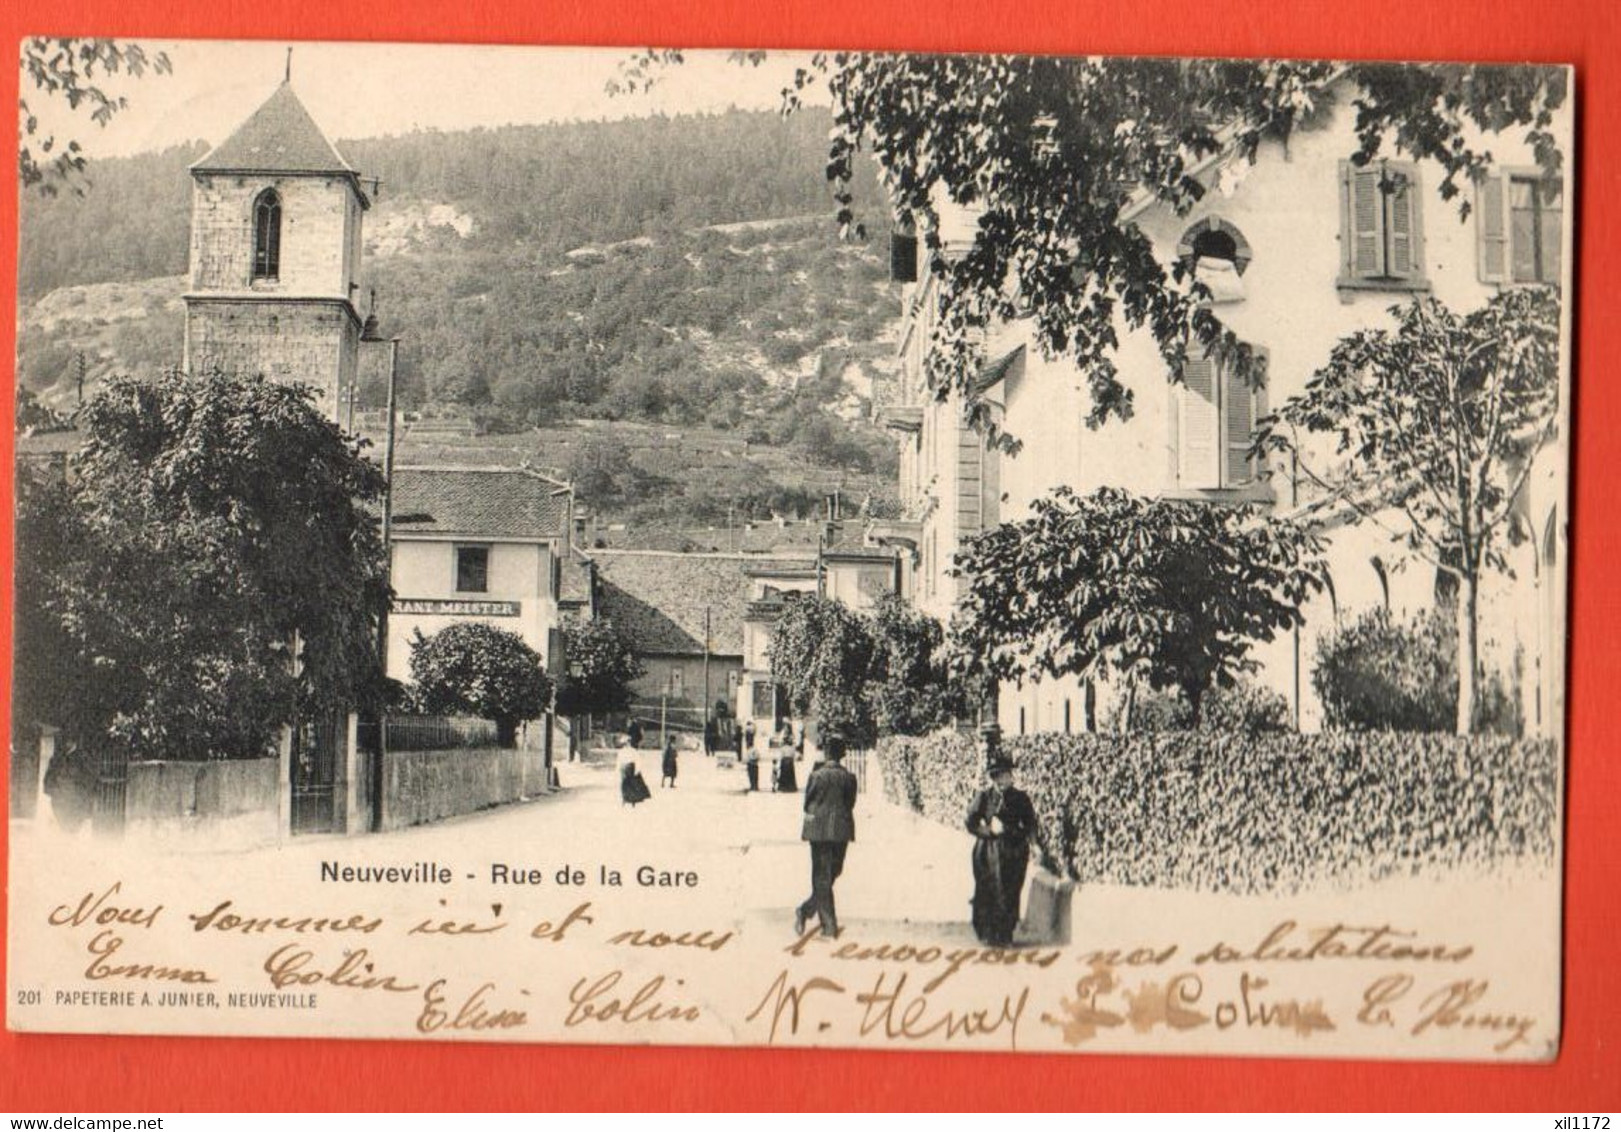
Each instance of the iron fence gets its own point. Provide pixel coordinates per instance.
(438, 732)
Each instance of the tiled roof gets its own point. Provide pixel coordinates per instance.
(483, 503)
(279, 137)
(658, 598)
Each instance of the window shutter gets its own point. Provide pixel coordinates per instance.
(1263, 407)
(1239, 410)
(1491, 230)
(902, 258)
(970, 482)
(1199, 429)
(1363, 222)
(1403, 213)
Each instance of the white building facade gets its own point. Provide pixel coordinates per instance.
(1299, 249)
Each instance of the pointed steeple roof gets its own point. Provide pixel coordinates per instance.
(279, 137)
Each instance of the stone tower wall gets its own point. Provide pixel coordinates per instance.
(320, 235)
(312, 343)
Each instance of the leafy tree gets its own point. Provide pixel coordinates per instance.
(1166, 592)
(476, 669)
(55, 681)
(1051, 153)
(204, 524)
(912, 691)
(1435, 427)
(1376, 673)
(71, 70)
(597, 466)
(600, 666)
(822, 653)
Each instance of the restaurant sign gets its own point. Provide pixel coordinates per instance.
(456, 608)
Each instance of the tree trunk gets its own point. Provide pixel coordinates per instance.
(1126, 719)
(1468, 655)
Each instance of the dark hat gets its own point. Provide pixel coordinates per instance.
(1001, 764)
(833, 746)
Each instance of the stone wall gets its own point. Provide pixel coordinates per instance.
(228, 804)
(429, 786)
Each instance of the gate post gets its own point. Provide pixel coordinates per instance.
(47, 752)
(351, 776)
(284, 784)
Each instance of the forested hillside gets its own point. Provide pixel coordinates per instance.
(681, 271)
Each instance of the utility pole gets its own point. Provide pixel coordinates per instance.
(388, 493)
(388, 577)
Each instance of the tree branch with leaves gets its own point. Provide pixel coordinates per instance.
(1055, 156)
(1429, 431)
(72, 72)
(1115, 586)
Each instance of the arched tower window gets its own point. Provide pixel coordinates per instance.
(267, 235)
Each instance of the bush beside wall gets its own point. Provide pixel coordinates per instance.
(1254, 813)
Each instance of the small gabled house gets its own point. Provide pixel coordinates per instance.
(684, 614)
(484, 544)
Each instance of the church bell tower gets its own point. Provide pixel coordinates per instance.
(275, 256)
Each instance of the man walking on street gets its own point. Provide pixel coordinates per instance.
(830, 826)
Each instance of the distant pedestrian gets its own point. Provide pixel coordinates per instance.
(829, 826)
(634, 733)
(785, 775)
(1003, 823)
(750, 755)
(669, 763)
(632, 786)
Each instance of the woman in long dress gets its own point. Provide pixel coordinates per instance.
(1003, 822)
(787, 773)
(632, 786)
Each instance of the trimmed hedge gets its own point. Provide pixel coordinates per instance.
(1263, 813)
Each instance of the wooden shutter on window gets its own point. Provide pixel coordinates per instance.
(1491, 229)
(902, 258)
(1403, 213)
(1199, 429)
(1361, 221)
(970, 482)
(1239, 410)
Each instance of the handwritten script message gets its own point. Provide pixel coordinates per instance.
(558, 962)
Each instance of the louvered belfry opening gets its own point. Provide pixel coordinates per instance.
(267, 235)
